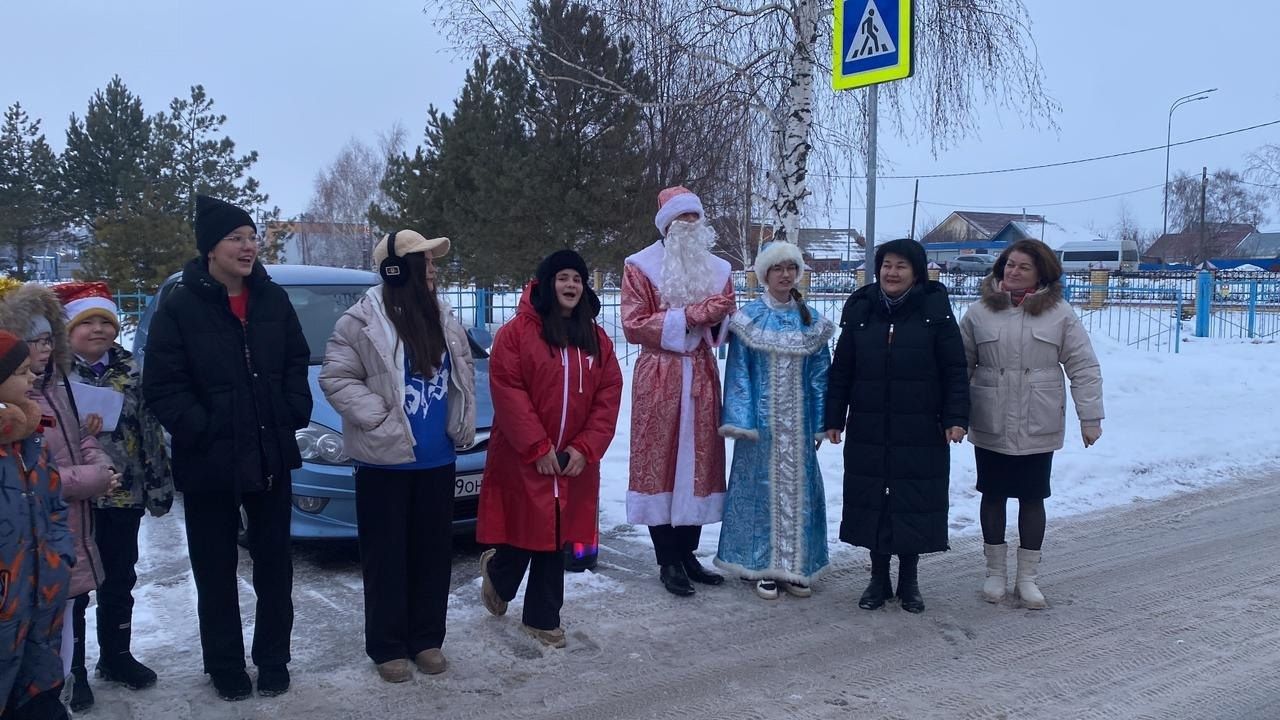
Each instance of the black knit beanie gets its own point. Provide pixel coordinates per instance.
(216, 219)
(544, 297)
(909, 249)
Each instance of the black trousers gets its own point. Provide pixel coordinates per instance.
(79, 604)
(672, 544)
(116, 531)
(405, 524)
(213, 521)
(544, 595)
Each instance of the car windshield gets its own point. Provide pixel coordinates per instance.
(318, 308)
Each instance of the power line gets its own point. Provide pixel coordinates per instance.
(1063, 163)
(1044, 205)
(1269, 187)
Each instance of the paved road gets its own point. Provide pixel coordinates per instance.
(1168, 609)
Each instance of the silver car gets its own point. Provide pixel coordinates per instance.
(975, 264)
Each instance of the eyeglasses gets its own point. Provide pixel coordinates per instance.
(250, 240)
(45, 340)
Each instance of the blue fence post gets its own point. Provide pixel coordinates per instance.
(482, 307)
(1177, 325)
(1253, 308)
(1204, 301)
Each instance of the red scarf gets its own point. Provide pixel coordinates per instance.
(1017, 296)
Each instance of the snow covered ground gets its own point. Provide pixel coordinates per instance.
(1174, 423)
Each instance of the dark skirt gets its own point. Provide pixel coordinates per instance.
(1025, 477)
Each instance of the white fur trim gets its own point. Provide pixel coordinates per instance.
(738, 433)
(775, 252)
(768, 573)
(661, 509)
(76, 308)
(675, 331)
(675, 207)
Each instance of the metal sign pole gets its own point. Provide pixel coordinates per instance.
(869, 255)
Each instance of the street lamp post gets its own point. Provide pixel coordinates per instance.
(1168, 141)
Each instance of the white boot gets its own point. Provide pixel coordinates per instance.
(997, 581)
(1025, 585)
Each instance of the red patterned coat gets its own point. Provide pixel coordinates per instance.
(677, 454)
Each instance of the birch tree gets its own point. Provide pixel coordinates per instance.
(769, 59)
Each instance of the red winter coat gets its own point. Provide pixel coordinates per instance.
(530, 382)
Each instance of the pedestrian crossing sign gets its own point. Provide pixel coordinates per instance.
(872, 42)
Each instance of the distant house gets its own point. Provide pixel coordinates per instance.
(969, 226)
(1259, 245)
(824, 249)
(324, 243)
(1055, 235)
(1188, 247)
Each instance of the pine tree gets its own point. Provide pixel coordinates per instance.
(588, 161)
(105, 163)
(30, 184)
(136, 251)
(191, 156)
(468, 181)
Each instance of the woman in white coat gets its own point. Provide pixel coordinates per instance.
(399, 371)
(1018, 340)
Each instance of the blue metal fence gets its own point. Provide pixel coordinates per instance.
(1230, 306)
(1131, 313)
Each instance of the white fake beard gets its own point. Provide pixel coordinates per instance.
(686, 264)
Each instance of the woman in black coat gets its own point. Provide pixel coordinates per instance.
(226, 375)
(899, 386)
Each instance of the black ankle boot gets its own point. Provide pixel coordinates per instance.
(232, 685)
(675, 580)
(908, 587)
(880, 588)
(698, 573)
(81, 693)
(125, 669)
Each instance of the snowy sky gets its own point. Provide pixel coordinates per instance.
(299, 78)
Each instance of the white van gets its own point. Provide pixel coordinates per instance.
(1113, 255)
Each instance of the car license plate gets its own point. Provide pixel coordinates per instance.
(467, 485)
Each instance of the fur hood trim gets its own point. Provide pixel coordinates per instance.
(19, 307)
(1037, 303)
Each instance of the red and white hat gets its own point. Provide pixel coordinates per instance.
(83, 300)
(674, 202)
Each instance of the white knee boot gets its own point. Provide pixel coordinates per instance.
(1025, 585)
(993, 588)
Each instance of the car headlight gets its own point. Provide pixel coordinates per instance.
(320, 444)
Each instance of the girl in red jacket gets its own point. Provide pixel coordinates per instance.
(556, 387)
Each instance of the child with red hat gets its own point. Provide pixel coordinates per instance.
(135, 443)
(33, 312)
(36, 549)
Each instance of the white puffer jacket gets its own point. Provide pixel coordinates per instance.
(1016, 360)
(363, 377)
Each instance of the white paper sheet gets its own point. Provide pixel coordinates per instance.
(105, 402)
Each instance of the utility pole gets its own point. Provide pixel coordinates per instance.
(1204, 185)
(915, 203)
(873, 102)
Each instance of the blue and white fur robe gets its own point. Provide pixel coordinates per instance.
(775, 518)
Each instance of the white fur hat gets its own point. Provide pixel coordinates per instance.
(674, 202)
(777, 252)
